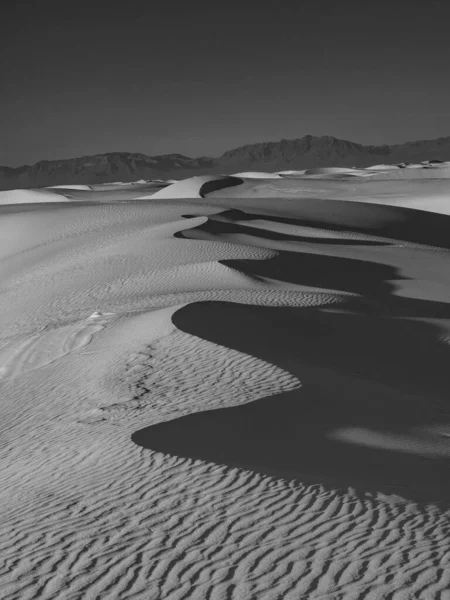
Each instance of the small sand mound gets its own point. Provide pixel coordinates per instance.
(328, 170)
(69, 187)
(291, 173)
(257, 175)
(382, 168)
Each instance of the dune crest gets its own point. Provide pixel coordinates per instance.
(196, 187)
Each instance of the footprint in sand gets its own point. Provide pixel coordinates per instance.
(49, 345)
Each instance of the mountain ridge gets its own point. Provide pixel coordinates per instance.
(298, 153)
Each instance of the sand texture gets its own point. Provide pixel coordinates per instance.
(227, 387)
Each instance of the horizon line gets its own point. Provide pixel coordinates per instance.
(230, 150)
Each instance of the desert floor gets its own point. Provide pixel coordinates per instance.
(227, 388)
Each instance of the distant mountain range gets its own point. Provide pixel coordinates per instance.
(303, 153)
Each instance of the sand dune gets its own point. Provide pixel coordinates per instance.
(29, 196)
(418, 193)
(257, 175)
(196, 187)
(226, 387)
(107, 192)
(117, 192)
(291, 173)
(340, 356)
(70, 187)
(328, 171)
(382, 168)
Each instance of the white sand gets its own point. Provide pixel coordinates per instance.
(192, 187)
(29, 196)
(257, 175)
(422, 189)
(321, 330)
(383, 167)
(327, 171)
(105, 192)
(71, 187)
(291, 173)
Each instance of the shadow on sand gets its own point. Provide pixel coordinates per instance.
(219, 184)
(364, 365)
(356, 371)
(370, 279)
(225, 223)
(391, 222)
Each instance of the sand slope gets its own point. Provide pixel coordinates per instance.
(225, 397)
(29, 196)
(420, 193)
(196, 187)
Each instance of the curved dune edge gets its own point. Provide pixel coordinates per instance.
(352, 220)
(418, 193)
(195, 187)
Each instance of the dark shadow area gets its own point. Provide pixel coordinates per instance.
(397, 223)
(366, 365)
(358, 371)
(219, 184)
(218, 226)
(371, 280)
(318, 270)
(401, 224)
(402, 354)
(275, 437)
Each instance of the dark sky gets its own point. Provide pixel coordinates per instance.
(148, 77)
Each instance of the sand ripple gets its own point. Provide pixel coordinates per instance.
(86, 513)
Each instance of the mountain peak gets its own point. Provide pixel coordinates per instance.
(306, 152)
